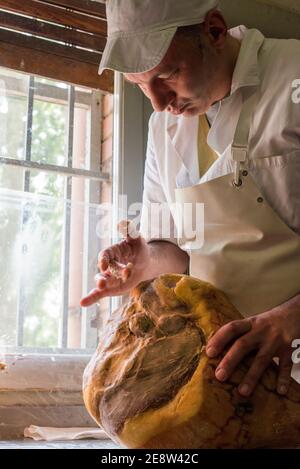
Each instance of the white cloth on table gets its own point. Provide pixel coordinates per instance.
(53, 434)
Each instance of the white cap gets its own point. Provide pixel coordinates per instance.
(140, 31)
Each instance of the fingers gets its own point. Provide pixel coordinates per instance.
(103, 260)
(120, 252)
(106, 286)
(259, 365)
(234, 356)
(225, 335)
(284, 375)
(114, 266)
(105, 257)
(107, 283)
(249, 335)
(119, 270)
(109, 255)
(92, 297)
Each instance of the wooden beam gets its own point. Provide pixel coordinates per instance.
(57, 33)
(52, 66)
(36, 44)
(56, 14)
(86, 6)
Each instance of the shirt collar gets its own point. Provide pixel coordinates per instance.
(246, 74)
(246, 69)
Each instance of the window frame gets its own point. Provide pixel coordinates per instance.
(52, 392)
(93, 177)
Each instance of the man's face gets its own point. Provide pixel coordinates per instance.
(188, 80)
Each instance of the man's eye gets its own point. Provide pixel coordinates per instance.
(173, 74)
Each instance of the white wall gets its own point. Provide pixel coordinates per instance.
(137, 110)
(275, 18)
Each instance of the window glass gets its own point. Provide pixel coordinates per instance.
(51, 223)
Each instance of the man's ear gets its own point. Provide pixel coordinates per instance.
(215, 28)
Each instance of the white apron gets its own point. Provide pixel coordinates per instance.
(248, 251)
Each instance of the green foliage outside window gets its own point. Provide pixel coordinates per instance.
(31, 234)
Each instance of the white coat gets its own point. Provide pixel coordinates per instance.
(274, 142)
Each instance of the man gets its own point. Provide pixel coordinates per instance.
(198, 74)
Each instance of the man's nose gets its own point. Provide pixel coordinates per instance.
(160, 96)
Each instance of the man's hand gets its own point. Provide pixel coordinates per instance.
(122, 266)
(270, 334)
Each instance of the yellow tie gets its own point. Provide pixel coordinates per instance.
(206, 155)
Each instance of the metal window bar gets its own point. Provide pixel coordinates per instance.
(67, 222)
(46, 91)
(29, 131)
(21, 308)
(52, 168)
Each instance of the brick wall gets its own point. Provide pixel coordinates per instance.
(107, 133)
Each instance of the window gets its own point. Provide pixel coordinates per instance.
(56, 119)
(51, 184)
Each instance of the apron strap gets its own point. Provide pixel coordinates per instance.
(239, 149)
